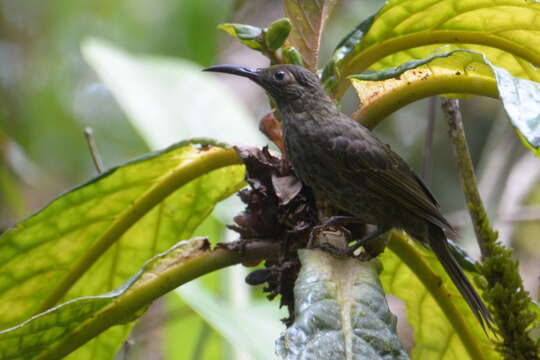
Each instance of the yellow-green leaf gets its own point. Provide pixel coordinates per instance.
(248, 35)
(385, 91)
(61, 330)
(507, 32)
(91, 239)
(458, 72)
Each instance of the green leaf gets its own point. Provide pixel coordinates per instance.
(506, 32)
(292, 56)
(308, 18)
(199, 341)
(340, 312)
(457, 71)
(461, 73)
(89, 240)
(395, 72)
(248, 35)
(277, 33)
(444, 326)
(168, 98)
(59, 331)
(331, 73)
(251, 329)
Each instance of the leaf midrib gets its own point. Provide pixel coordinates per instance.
(211, 159)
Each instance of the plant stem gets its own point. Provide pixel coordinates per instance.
(91, 141)
(510, 302)
(481, 225)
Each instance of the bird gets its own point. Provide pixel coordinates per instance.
(345, 164)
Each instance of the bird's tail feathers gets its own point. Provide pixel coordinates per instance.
(439, 245)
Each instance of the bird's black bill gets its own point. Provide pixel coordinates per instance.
(235, 70)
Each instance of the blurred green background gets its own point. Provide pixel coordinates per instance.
(49, 94)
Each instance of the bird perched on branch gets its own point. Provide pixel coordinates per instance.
(345, 164)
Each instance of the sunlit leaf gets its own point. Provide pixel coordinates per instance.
(458, 71)
(58, 331)
(108, 227)
(309, 18)
(248, 35)
(169, 99)
(506, 32)
(461, 73)
(444, 326)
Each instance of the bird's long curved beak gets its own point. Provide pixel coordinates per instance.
(249, 73)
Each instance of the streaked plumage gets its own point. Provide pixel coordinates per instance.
(348, 166)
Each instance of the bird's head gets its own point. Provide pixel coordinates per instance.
(285, 83)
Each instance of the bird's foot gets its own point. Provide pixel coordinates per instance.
(349, 251)
(317, 236)
(333, 250)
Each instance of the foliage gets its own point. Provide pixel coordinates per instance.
(106, 223)
(408, 50)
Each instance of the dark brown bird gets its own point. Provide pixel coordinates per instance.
(345, 164)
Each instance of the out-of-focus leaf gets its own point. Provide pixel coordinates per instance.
(444, 326)
(506, 32)
(252, 329)
(78, 233)
(182, 319)
(340, 312)
(9, 191)
(183, 322)
(277, 33)
(169, 99)
(292, 56)
(457, 71)
(308, 18)
(248, 35)
(10, 194)
(59, 331)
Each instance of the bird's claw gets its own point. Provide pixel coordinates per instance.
(331, 249)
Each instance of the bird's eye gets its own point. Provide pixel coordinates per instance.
(280, 75)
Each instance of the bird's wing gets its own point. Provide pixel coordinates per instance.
(388, 176)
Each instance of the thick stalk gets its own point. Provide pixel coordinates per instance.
(476, 208)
